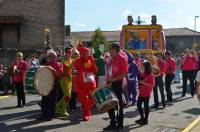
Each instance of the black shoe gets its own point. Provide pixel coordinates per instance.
(144, 122)
(119, 127)
(18, 106)
(139, 121)
(48, 119)
(183, 95)
(110, 127)
(164, 107)
(169, 101)
(42, 118)
(155, 106)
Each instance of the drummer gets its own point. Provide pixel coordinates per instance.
(48, 102)
(117, 71)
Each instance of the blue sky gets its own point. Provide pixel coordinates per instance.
(87, 15)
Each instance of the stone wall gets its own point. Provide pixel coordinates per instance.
(7, 55)
(38, 14)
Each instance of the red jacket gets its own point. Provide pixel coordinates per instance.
(144, 90)
(188, 62)
(119, 65)
(21, 66)
(57, 66)
(170, 66)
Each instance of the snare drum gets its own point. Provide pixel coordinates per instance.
(105, 99)
(39, 80)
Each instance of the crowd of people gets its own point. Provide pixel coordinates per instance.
(80, 71)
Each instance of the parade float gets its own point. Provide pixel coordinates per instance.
(143, 39)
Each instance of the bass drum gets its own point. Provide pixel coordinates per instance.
(40, 80)
(29, 80)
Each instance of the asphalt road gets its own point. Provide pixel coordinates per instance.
(173, 119)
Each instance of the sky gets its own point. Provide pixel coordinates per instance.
(110, 15)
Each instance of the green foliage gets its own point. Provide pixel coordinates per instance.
(99, 38)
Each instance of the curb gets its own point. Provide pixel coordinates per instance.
(192, 125)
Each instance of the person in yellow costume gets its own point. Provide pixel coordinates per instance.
(65, 83)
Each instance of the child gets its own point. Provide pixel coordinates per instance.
(146, 84)
(133, 72)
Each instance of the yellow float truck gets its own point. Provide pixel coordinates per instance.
(143, 39)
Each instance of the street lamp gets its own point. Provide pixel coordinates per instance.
(195, 19)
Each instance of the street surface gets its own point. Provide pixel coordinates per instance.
(174, 118)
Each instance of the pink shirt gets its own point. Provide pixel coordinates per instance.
(170, 66)
(119, 65)
(188, 62)
(144, 90)
(22, 66)
(57, 66)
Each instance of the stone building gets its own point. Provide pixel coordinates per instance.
(23, 23)
(30, 25)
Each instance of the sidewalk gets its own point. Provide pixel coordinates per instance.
(196, 128)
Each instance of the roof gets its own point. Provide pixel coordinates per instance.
(180, 32)
(115, 34)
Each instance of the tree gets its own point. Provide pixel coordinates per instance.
(99, 38)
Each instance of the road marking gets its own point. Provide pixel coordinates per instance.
(192, 125)
(2, 97)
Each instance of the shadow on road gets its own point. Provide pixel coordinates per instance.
(33, 123)
(193, 111)
(35, 102)
(7, 108)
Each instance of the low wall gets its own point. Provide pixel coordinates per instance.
(7, 55)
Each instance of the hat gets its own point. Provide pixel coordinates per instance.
(19, 54)
(83, 50)
(80, 45)
(75, 51)
(52, 53)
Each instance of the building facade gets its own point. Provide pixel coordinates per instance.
(31, 24)
(179, 39)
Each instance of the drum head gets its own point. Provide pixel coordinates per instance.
(43, 81)
(110, 104)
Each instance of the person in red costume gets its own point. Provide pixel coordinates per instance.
(86, 70)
